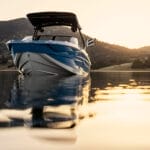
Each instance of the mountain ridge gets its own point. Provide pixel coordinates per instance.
(102, 54)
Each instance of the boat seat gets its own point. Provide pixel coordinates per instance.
(74, 40)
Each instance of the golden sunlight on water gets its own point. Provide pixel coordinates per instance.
(122, 117)
(131, 92)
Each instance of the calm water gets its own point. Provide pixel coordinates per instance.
(105, 110)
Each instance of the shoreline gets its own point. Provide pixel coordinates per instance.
(5, 68)
(101, 70)
(8, 71)
(116, 68)
(126, 67)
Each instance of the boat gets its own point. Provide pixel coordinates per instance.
(56, 47)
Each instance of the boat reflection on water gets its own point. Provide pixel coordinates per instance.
(45, 101)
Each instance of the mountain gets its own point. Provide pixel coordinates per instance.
(15, 29)
(102, 54)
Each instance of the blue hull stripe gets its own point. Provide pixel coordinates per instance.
(64, 54)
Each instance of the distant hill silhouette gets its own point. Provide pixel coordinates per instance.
(15, 29)
(102, 54)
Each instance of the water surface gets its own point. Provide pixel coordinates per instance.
(101, 111)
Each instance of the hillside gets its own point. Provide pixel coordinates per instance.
(102, 54)
(15, 29)
(121, 67)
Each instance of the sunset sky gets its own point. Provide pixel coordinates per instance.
(123, 22)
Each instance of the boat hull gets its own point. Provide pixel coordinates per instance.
(33, 63)
(49, 58)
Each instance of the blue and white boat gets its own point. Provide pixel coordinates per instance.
(56, 47)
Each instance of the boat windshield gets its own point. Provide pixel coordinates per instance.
(59, 33)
